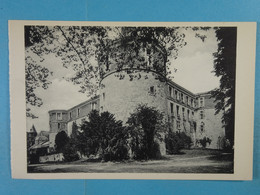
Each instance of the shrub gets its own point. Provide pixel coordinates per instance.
(105, 135)
(176, 141)
(116, 153)
(70, 152)
(204, 141)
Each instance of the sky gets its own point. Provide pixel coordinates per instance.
(194, 72)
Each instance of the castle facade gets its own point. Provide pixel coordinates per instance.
(186, 112)
(123, 88)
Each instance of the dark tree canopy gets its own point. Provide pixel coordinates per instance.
(146, 125)
(103, 134)
(61, 140)
(225, 68)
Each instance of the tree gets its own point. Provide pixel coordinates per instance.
(146, 126)
(69, 151)
(176, 141)
(61, 140)
(87, 50)
(74, 131)
(225, 66)
(91, 51)
(103, 133)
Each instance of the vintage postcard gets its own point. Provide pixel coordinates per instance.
(128, 100)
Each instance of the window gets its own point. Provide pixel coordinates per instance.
(182, 97)
(188, 113)
(176, 94)
(191, 102)
(152, 89)
(201, 114)
(183, 113)
(202, 127)
(58, 125)
(59, 116)
(70, 115)
(170, 91)
(78, 111)
(104, 96)
(93, 105)
(178, 125)
(171, 108)
(187, 100)
(201, 102)
(177, 108)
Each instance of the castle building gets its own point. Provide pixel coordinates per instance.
(123, 89)
(191, 113)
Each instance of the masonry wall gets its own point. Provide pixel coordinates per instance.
(122, 96)
(213, 126)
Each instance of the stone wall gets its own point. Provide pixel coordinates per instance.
(51, 158)
(122, 96)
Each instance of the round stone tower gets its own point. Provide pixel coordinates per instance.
(127, 82)
(58, 122)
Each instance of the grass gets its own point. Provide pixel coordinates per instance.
(192, 161)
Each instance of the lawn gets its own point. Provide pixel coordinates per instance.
(190, 161)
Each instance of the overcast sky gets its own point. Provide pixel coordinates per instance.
(194, 72)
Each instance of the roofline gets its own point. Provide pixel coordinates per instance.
(80, 104)
(57, 110)
(182, 88)
(204, 93)
(85, 102)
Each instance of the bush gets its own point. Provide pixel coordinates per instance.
(116, 153)
(176, 141)
(70, 152)
(204, 141)
(103, 134)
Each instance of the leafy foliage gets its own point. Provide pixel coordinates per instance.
(61, 140)
(105, 134)
(176, 141)
(70, 151)
(145, 125)
(74, 131)
(225, 66)
(35, 76)
(92, 50)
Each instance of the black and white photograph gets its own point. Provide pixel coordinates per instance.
(130, 99)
